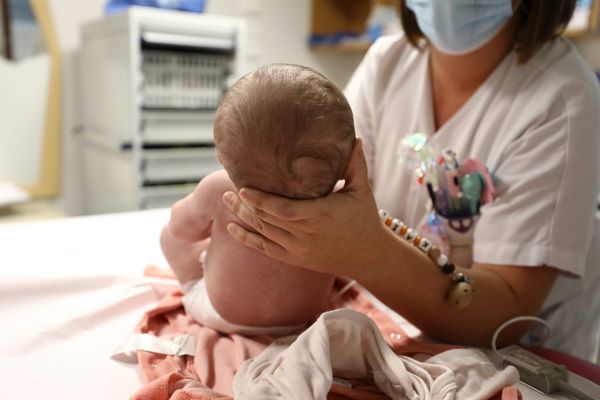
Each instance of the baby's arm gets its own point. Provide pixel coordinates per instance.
(183, 257)
(187, 234)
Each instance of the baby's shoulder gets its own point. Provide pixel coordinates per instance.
(214, 185)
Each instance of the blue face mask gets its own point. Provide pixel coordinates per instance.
(460, 26)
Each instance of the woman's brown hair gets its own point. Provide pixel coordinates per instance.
(537, 21)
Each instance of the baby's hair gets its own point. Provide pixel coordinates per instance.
(285, 129)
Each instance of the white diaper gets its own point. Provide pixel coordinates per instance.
(199, 307)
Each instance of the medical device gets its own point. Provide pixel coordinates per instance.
(535, 371)
(539, 373)
(151, 82)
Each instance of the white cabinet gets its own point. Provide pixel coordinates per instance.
(151, 82)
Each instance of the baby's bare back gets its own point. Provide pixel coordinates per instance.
(248, 288)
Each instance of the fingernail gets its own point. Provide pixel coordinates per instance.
(248, 197)
(233, 229)
(246, 194)
(227, 198)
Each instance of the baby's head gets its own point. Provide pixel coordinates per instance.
(285, 129)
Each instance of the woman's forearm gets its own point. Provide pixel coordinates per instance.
(409, 282)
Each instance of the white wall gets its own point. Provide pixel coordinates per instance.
(24, 84)
(68, 16)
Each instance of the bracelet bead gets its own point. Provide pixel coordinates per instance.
(448, 268)
(411, 234)
(442, 260)
(417, 240)
(461, 292)
(460, 295)
(434, 253)
(398, 228)
(460, 277)
(425, 245)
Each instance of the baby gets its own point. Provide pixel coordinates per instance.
(283, 129)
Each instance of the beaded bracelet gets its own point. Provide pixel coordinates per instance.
(461, 291)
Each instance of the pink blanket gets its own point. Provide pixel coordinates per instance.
(209, 374)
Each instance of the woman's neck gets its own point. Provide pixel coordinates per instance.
(456, 77)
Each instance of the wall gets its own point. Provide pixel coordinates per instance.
(589, 46)
(21, 134)
(68, 16)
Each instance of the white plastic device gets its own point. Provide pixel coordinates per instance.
(539, 373)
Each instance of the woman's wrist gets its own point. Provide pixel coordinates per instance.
(375, 254)
(386, 253)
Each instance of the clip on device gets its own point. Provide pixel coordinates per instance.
(535, 371)
(540, 373)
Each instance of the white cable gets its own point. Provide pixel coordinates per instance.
(343, 290)
(347, 287)
(519, 319)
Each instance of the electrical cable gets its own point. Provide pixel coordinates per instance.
(519, 319)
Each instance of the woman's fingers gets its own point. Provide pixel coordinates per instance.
(250, 217)
(257, 242)
(233, 202)
(277, 206)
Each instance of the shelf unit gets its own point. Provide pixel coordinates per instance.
(343, 18)
(585, 19)
(151, 82)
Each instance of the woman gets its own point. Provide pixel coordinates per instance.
(493, 81)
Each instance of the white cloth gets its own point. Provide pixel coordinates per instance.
(476, 376)
(303, 367)
(197, 305)
(536, 127)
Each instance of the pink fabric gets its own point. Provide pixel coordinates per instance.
(510, 393)
(209, 375)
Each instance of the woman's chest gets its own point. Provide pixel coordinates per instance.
(481, 130)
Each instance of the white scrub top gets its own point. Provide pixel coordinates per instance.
(536, 126)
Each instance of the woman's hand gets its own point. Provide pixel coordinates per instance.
(334, 234)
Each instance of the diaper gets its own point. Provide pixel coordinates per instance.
(198, 306)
